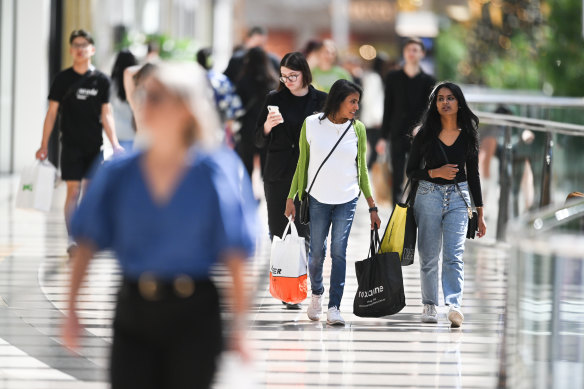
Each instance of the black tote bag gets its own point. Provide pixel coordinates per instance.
(381, 285)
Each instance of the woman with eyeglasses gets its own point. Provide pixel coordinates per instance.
(279, 132)
(169, 213)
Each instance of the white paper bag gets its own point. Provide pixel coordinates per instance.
(288, 267)
(37, 183)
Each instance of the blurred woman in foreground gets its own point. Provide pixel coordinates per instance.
(169, 213)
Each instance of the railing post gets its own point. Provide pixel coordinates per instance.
(505, 185)
(546, 177)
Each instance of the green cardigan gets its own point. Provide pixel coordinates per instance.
(300, 179)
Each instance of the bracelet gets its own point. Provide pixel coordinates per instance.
(373, 209)
(429, 173)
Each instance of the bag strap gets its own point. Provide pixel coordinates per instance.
(328, 156)
(468, 207)
(374, 243)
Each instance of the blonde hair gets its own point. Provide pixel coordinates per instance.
(188, 81)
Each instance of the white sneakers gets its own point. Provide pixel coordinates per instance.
(315, 308)
(455, 316)
(333, 315)
(429, 314)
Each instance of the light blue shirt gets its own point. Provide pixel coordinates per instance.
(212, 211)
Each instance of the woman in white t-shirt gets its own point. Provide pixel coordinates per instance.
(334, 193)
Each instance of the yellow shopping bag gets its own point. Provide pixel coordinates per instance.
(400, 234)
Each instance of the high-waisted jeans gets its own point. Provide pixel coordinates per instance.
(442, 219)
(321, 217)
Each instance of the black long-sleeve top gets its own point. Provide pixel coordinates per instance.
(405, 101)
(433, 158)
(282, 142)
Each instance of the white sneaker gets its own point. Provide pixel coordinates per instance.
(455, 316)
(429, 314)
(333, 317)
(315, 308)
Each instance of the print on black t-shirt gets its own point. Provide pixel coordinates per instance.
(80, 109)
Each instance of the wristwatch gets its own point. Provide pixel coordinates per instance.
(373, 209)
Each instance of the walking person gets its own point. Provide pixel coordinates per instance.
(279, 133)
(406, 98)
(334, 193)
(123, 116)
(80, 96)
(169, 213)
(444, 159)
(258, 78)
(326, 71)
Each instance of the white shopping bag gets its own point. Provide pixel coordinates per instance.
(37, 183)
(288, 267)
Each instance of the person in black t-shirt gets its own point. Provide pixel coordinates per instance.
(406, 97)
(79, 95)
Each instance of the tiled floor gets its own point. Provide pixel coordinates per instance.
(289, 350)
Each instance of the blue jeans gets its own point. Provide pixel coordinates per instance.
(321, 217)
(442, 220)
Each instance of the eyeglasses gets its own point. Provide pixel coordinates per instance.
(291, 78)
(80, 45)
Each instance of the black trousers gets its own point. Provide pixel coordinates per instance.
(276, 196)
(170, 343)
(400, 149)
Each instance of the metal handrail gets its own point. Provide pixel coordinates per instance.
(530, 100)
(531, 124)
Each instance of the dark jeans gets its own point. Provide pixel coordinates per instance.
(170, 343)
(276, 196)
(400, 149)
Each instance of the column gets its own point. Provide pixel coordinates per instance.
(222, 33)
(340, 24)
(30, 78)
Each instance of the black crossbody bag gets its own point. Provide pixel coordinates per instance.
(473, 216)
(90, 73)
(304, 204)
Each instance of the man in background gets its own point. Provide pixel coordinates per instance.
(80, 96)
(406, 97)
(256, 37)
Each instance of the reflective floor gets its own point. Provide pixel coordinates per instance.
(289, 350)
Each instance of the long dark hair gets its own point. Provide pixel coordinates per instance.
(124, 60)
(296, 61)
(338, 93)
(431, 125)
(258, 69)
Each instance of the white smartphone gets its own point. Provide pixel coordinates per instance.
(276, 109)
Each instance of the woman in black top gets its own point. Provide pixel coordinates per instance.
(257, 79)
(445, 152)
(279, 133)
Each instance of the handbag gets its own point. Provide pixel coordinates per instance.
(288, 267)
(401, 231)
(380, 290)
(305, 203)
(37, 183)
(473, 216)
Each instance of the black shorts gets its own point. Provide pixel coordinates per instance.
(77, 165)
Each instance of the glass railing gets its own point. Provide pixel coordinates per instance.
(543, 343)
(538, 158)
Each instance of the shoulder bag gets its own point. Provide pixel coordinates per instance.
(473, 216)
(304, 204)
